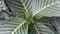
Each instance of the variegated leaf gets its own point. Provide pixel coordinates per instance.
(46, 21)
(17, 7)
(48, 8)
(42, 29)
(39, 28)
(14, 26)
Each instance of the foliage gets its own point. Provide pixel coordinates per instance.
(30, 17)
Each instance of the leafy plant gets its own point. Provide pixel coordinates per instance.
(30, 17)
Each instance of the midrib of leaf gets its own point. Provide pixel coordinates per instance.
(18, 26)
(28, 17)
(24, 5)
(36, 29)
(27, 14)
(44, 8)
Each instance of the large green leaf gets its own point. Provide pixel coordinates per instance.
(46, 21)
(14, 26)
(42, 29)
(48, 8)
(17, 7)
(39, 28)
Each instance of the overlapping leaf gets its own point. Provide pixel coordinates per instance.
(39, 28)
(46, 21)
(43, 29)
(33, 7)
(17, 7)
(47, 8)
(13, 26)
(42, 7)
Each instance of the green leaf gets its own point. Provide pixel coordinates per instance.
(46, 21)
(47, 8)
(17, 7)
(14, 26)
(42, 29)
